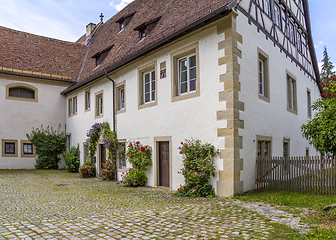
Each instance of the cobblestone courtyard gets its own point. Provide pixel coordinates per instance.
(59, 205)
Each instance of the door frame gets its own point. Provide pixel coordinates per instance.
(157, 140)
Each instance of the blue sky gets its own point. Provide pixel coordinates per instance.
(66, 19)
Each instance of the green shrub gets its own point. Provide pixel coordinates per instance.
(88, 169)
(47, 162)
(72, 159)
(141, 159)
(198, 168)
(49, 145)
(108, 170)
(134, 178)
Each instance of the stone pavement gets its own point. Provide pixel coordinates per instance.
(59, 205)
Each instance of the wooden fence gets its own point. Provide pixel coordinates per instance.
(297, 174)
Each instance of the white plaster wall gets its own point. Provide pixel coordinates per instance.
(269, 119)
(17, 118)
(78, 125)
(195, 117)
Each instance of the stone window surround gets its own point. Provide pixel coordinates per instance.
(263, 56)
(97, 96)
(151, 66)
(4, 141)
(87, 109)
(174, 57)
(72, 99)
(23, 85)
(293, 93)
(22, 150)
(264, 139)
(119, 86)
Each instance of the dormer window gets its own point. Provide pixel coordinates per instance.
(100, 57)
(145, 28)
(124, 21)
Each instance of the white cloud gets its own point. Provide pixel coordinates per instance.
(321, 43)
(121, 5)
(320, 66)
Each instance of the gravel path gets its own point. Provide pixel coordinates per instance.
(58, 205)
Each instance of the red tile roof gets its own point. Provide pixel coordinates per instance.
(33, 53)
(175, 15)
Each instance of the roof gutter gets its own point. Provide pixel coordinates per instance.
(212, 17)
(311, 46)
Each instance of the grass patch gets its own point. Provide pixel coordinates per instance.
(295, 203)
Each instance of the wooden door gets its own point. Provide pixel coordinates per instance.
(102, 155)
(164, 173)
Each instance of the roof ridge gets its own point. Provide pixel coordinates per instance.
(50, 38)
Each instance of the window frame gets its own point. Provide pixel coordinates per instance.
(9, 141)
(267, 10)
(277, 16)
(175, 56)
(99, 110)
(22, 85)
(299, 41)
(27, 155)
(87, 99)
(120, 86)
(150, 73)
(72, 106)
(188, 74)
(262, 56)
(150, 67)
(291, 31)
(286, 141)
(263, 140)
(291, 93)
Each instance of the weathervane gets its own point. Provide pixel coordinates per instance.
(101, 17)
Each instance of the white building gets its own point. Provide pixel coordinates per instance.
(236, 74)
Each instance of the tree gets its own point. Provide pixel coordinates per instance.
(321, 130)
(327, 67)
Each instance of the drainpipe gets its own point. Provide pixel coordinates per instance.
(114, 122)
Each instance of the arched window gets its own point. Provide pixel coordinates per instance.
(23, 92)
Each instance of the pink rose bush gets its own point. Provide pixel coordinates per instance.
(198, 168)
(108, 170)
(88, 169)
(140, 157)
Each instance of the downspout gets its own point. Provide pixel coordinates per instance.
(114, 122)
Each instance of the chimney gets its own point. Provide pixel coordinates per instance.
(89, 28)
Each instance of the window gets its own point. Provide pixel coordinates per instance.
(264, 145)
(299, 41)
(72, 106)
(277, 15)
(291, 94)
(263, 82)
(87, 100)
(185, 73)
(291, 33)
(121, 155)
(120, 101)
(100, 57)
(27, 149)
(267, 7)
(99, 104)
(148, 80)
(145, 28)
(309, 112)
(124, 21)
(22, 92)
(147, 85)
(9, 148)
(286, 152)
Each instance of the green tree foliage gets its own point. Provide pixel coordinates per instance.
(72, 159)
(49, 144)
(327, 67)
(321, 130)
